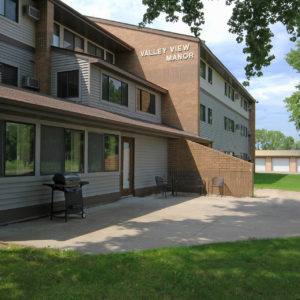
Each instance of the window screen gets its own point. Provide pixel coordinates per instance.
(95, 152)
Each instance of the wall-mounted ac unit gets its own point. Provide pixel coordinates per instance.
(32, 12)
(249, 132)
(237, 126)
(31, 83)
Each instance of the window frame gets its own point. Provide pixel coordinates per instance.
(56, 24)
(152, 97)
(16, 12)
(59, 82)
(203, 114)
(89, 44)
(210, 75)
(74, 36)
(3, 162)
(118, 138)
(209, 116)
(16, 69)
(202, 69)
(123, 84)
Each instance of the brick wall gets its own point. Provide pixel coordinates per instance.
(44, 35)
(187, 156)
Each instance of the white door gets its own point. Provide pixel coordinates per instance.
(260, 164)
(298, 164)
(281, 164)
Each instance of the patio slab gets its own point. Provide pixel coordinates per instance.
(150, 222)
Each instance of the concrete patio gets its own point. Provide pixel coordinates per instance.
(144, 223)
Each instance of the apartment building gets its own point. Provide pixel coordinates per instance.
(78, 96)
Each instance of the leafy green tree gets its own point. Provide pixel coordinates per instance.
(250, 20)
(288, 143)
(292, 103)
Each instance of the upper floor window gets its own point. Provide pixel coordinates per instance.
(202, 69)
(232, 94)
(210, 75)
(145, 102)
(244, 131)
(226, 89)
(9, 9)
(73, 42)
(114, 90)
(96, 51)
(228, 124)
(109, 57)
(68, 84)
(56, 35)
(209, 116)
(202, 113)
(17, 144)
(8, 74)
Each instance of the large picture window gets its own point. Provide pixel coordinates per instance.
(145, 102)
(8, 74)
(9, 9)
(114, 90)
(18, 149)
(68, 84)
(62, 150)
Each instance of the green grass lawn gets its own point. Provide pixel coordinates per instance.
(253, 269)
(289, 182)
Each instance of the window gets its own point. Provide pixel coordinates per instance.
(202, 69)
(245, 105)
(229, 153)
(210, 75)
(226, 89)
(9, 9)
(202, 113)
(228, 124)
(95, 152)
(111, 153)
(244, 131)
(68, 84)
(96, 51)
(232, 94)
(73, 42)
(62, 150)
(8, 74)
(114, 90)
(109, 58)
(18, 149)
(209, 116)
(145, 102)
(56, 35)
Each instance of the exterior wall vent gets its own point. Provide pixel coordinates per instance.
(32, 12)
(31, 83)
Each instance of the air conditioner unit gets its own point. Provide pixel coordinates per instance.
(32, 12)
(31, 83)
(249, 132)
(237, 96)
(237, 126)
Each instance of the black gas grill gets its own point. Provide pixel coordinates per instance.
(71, 185)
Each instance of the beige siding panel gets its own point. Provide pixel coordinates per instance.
(20, 58)
(61, 63)
(130, 111)
(151, 159)
(24, 31)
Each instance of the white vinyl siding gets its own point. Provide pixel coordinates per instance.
(280, 164)
(298, 164)
(23, 31)
(130, 110)
(19, 58)
(62, 63)
(260, 164)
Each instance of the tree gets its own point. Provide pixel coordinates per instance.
(274, 140)
(250, 20)
(292, 103)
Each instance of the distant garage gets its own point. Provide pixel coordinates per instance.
(260, 164)
(280, 164)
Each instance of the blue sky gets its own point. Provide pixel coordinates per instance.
(279, 79)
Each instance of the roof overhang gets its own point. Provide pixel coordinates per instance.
(30, 104)
(72, 19)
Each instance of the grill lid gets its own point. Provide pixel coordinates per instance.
(67, 179)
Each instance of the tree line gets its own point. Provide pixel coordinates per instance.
(274, 140)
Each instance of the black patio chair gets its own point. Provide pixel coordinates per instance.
(162, 185)
(218, 182)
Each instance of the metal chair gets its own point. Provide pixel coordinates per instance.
(218, 182)
(162, 185)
